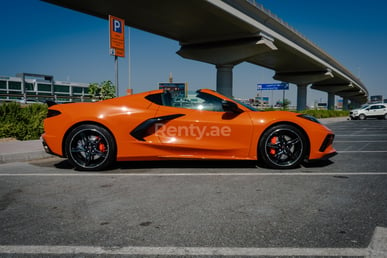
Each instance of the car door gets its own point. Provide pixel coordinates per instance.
(384, 111)
(376, 110)
(380, 111)
(200, 128)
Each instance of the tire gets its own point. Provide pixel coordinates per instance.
(385, 116)
(362, 117)
(90, 147)
(283, 147)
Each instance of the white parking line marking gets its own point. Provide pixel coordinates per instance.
(184, 251)
(196, 174)
(358, 135)
(344, 151)
(377, 248)
(361, 141)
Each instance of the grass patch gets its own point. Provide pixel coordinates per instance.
(326, 113)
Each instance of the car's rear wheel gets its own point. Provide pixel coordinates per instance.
(90, 147)
(283, 146)
(385, 116)
(362, 117)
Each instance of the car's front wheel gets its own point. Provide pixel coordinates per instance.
(90, 147)
(362, 117)
(283, 146)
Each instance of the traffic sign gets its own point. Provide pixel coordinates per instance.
(117, 36)
(273, 86)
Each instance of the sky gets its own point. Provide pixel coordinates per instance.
(38, 37)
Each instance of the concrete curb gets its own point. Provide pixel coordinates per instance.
(13, 151)
(333, 119)
(25, 156)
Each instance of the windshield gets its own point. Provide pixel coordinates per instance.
(364, 106)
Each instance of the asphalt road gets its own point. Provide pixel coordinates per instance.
(203, 209)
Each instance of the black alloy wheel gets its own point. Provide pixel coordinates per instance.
(283, 147)
(90, 147)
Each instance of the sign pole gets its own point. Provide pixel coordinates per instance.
(116, 73)
(129, 65)
(261, 99)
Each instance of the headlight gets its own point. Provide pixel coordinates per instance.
(309, 117)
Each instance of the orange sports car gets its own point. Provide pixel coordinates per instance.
(160, 124)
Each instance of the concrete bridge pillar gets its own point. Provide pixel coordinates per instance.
(345, 103)
(224, 79)
(301, 96)
(331, 101)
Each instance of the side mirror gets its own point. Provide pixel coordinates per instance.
(229, 106)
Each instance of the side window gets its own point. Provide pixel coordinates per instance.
(209, 102)
(199, 101)
(155, 98)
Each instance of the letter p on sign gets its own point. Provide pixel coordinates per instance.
(117, 26)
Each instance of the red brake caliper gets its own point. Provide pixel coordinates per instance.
(101, 146)
(273, 141)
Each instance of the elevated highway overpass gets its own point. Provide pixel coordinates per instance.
(226, 33)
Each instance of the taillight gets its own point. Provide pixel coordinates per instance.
(52, 112)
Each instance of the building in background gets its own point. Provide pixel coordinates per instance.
(376, 99)
(26, 87)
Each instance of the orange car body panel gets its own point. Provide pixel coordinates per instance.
(196, 134)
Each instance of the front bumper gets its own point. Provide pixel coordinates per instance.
(328, 141)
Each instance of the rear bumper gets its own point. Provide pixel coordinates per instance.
(47, 148)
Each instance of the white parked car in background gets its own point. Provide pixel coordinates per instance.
(369, 110)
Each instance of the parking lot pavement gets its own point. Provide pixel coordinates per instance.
(201, 209)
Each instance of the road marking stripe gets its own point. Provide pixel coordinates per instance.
(358, 135)
(361, 141)
(199, 174)
(382, 151)
(182, 251)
